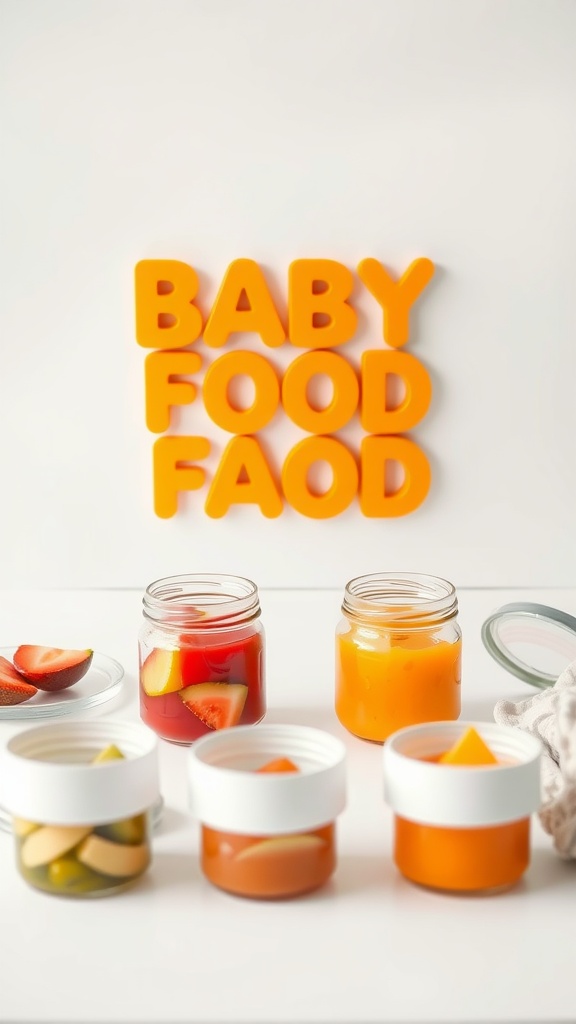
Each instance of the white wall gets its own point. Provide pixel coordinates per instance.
(207, 131)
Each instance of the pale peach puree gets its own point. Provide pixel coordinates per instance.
(269, 866)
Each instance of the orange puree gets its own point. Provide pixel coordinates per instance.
(395, 680)
(469, 751)
(462, 859)
(280, 764)
(268, 866)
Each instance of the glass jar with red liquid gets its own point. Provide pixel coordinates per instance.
(201, 656)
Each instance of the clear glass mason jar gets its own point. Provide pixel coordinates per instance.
(202, 664)
(398, 653)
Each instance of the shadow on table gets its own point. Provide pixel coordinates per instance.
(547, 871)
(319, 718)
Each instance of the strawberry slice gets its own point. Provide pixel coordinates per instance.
(51, 668)
(13, 689)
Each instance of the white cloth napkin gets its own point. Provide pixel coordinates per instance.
(551, 715)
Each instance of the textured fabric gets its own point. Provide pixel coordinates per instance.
(551, 715)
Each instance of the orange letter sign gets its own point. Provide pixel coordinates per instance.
(244, 304)
(320, 317)
(217, 403)
(162, 391)
(171, 472)
(396, 297)
(376, 418)
(243, 478)
(344, 402)
(374, 453)
(166, 317)
(344, 485)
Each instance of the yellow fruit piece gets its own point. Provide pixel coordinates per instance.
(50, 842)
(113, 859)
(23, 828)
(110, 753)
(469, 750)
(282, 845)
(161, 673)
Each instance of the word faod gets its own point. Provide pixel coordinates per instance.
(321, 318)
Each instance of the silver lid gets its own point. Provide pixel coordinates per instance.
(532, 641)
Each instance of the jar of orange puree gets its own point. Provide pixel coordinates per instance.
(267, 798)
(462, 795)
(398, 653)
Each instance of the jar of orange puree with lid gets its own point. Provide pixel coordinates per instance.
(398, 653)
(462, 795)
(267, 798)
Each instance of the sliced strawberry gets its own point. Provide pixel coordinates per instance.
(51, 668)
(13, 689)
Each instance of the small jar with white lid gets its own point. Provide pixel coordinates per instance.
(80, 796)
(462, 828)
(268, 831)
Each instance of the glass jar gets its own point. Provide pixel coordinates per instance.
(398, 653)
(201, 656)
(80, 796)
(267, 799)
(462, 828)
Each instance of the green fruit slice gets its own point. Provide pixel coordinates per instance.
(129, 830)
(161, 672)
(67, 875)
(218, 705)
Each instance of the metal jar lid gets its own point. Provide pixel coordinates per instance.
(532, 641)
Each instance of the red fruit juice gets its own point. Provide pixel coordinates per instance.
(219, 661)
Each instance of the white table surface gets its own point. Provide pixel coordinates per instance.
(368, 947)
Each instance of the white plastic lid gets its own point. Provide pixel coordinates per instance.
(461, 797)
(228, 793)
(46, 775)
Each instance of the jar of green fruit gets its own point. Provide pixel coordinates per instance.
(80, 796)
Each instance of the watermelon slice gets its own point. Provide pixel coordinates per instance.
(218, 705)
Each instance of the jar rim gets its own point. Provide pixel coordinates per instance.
(200, 601)
(406, 597)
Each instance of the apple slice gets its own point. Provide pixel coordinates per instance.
(13, 689)
(51, 668)
(161, 672)
(283, 846)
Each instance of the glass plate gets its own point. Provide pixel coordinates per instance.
(101, 682)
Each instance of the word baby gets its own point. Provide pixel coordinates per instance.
(321, 318)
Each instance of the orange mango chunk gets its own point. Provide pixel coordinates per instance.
(469, 750)
(281, 764)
